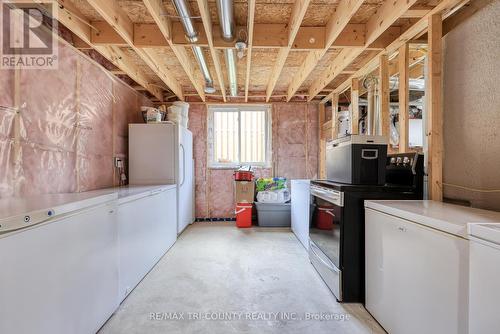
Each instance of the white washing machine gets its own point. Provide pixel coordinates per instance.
(484, 295)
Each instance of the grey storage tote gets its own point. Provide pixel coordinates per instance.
(273, 214)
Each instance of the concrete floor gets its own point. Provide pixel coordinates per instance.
(236, 281)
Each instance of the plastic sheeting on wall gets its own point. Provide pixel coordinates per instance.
(294, 155)
(60, 129)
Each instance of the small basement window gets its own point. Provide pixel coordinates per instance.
(239, 135)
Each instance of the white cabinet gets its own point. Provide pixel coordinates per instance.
(300, 210)
(416, 276)
(484, 279)
(61, 277)
(147, 228)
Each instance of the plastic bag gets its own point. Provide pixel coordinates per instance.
(276, 183)
(273, 196)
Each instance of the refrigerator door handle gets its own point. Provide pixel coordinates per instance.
(183, 165)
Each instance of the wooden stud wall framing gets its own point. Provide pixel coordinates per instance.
(434, 109)
(355, 106)
(322, 143)
(385, 111)
(404, 96)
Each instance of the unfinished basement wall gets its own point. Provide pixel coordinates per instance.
(60, 129)
(295, 155)
(471, 72)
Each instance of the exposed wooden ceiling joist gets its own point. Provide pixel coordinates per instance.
(251, 17)
(207, 24)
(385, 16)
(337, 23)
(114, 15)
(72, 19)
(298, 12)
(164, 25)
(445, 6)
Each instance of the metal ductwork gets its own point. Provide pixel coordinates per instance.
(182, 8)
(226, 21)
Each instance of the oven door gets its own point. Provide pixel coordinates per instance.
(324, 236)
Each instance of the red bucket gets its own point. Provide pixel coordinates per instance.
(324, 219)
(243, 214)
(243, 176)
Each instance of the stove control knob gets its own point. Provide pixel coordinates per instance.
(393, 161)
(406, 160)
(398, 160)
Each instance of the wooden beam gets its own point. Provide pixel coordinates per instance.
(335, 108)
(115, 16)
(75, 21)
(146, 33)
(150, 35)
(385, 111)
(415, 13)
(274, 35)
(105, 34)
(377, 25)
(445, 6)
(79, 43)
(322, 143)
(298, 12)
(336, 24)
(354, 106)
(434, 109)
(207, 24)
(118, 72)
(251, 16)
(404, 96)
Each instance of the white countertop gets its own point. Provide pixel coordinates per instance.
(129, 193)
(487, 232)
(15, 210)
(446, 217)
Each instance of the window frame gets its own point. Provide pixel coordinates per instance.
(238, 108)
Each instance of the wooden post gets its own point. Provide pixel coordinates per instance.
(354, 106)
(322, 143)
(385, 112)
(404, 95)
(434, 109)
(335, 108)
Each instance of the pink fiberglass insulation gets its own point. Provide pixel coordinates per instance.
(71, 123)
(198, 126)
(295, 155)
(7, 114)
(221, 193)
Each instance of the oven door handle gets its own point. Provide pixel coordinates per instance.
(330, 212)
(331, 267)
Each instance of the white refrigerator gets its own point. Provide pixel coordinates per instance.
(163, 154)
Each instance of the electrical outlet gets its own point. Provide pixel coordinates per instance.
(118, 162)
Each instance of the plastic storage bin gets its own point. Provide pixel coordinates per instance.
(244, 214)
(274, 214)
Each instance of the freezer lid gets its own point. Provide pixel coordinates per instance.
(488, 232)
(449, 218)
(23, 212)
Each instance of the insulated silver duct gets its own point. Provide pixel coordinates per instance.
(200, 57)
(226, 21)
(231, 71)
(184, 13)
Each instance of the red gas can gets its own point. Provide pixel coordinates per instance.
(324, 219)
(244, 214)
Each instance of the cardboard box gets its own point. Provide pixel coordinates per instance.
(244, 191)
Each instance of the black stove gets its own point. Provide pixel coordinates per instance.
(337, 251)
